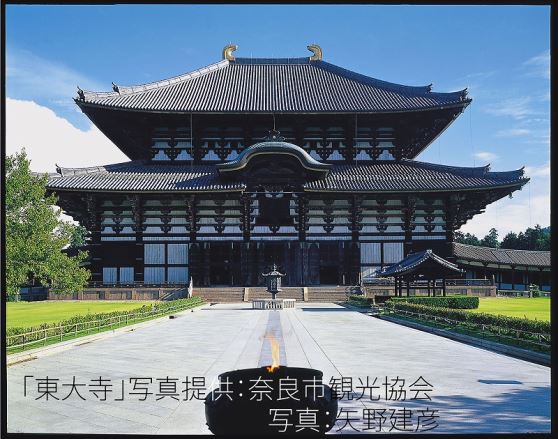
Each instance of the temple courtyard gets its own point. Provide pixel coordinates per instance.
(471, 390)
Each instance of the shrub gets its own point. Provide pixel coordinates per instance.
(504, 322)
(361, 300)
(54, 328)
(453, 302)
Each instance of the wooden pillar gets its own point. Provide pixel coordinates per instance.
(92, 220)
(245, 264)
(444, 287)
(428, 286)
(304, 261)
(192, 220)
(260, 262)
(232, 263)
(513, 277)
(356, 217)
(206, 263)
(409, 211)
(341, 263)
(246, 216)
(408, 288)
(302, 206)
(137, 214)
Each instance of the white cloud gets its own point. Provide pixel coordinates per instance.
(485, 156)
(50, 139)
(510, 216)
(29, 76)
(481, 75)
(528, 207)
(513, 132)
(518, 108)
(538, 171)
(539, 65)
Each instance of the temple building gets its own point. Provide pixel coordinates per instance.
(253, 161)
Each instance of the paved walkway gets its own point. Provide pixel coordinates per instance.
(474, 390)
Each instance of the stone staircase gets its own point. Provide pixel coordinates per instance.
(238, 294)
(220, 295)
(286, 293)
(327, 294)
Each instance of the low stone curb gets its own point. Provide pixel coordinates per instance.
(512, 351)
(33, 354)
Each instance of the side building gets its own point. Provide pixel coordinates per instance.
(510, 269)
(250, 162)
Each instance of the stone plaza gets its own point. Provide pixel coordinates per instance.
(473, 390)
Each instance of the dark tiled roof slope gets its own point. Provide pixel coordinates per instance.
(501, 256)
(414, 260)
(405, 176)
(279, 85)
(410, 176)
(138, 176)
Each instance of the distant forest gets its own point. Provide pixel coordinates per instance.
(536, 238)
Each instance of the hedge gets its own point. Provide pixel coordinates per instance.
(504, 322)
(453, 302)
(158, 307)
(361, 300)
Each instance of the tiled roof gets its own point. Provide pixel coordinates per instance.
(405, 176)
(138, 176)
(278, 85)
(412, 262)
(410, 175)
(501, 256)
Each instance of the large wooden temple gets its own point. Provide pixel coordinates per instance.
(254, 161)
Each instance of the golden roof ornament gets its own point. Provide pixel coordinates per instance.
(228, 50)
(317, 51)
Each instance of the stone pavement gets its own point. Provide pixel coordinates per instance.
(474, 390)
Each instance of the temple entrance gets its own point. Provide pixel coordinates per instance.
(283, 255)
(220, 267)
(330, 259)
(304, 263)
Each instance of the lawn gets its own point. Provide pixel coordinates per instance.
(532, 308)
(25, 314)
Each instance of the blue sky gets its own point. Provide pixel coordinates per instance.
(501, 53)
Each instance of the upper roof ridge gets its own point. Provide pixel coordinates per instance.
(122, 89)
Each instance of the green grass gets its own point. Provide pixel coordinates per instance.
(26, 314)
(532, 308)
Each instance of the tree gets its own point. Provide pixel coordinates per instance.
(78, 236)
(35, 234)
(466, 238)
(490, 240)
(510, 241)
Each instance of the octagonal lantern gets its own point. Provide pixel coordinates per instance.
(273, 281)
